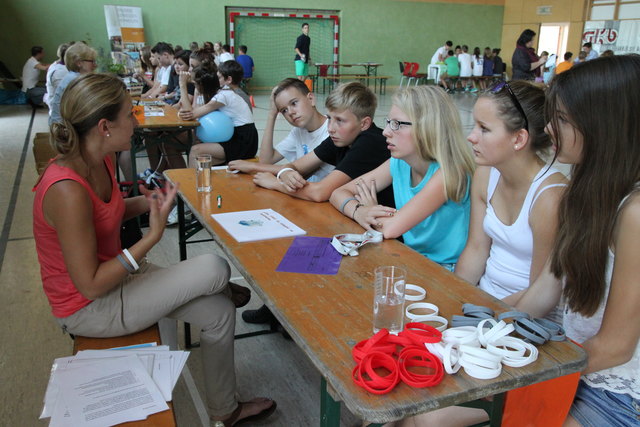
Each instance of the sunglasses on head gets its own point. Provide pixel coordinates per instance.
(501, 85)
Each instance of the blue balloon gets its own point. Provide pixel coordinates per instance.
(215, 127)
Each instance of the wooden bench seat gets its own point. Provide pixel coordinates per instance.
(151, 334)
(332, 79)
(376, 79)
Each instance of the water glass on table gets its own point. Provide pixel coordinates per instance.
(203, 173)
(388, 300)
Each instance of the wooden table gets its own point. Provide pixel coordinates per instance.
(160, 130)
(327, 315)
(370, 72)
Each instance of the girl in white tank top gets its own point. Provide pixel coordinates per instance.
(514, 195)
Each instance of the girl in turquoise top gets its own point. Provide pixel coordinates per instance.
(430, 170)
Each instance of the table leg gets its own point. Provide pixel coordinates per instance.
(135, 139)
(182, 238)
(492, 407)
(329, 408)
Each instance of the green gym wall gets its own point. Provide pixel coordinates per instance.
(385, 31)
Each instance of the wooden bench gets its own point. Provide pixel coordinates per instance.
(376, 79)
(151, 334)
(363, 78)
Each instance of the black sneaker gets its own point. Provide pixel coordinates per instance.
(261, 315)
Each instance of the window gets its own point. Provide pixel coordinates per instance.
(614, 10)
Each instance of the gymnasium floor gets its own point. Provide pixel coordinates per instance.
(267, 366)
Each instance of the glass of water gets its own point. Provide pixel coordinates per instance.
(388, 300)
(203, 173)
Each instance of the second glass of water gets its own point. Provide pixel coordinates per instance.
(388, 300)
(203, 173)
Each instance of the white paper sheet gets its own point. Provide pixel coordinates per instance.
(260, 224)
(109, 392)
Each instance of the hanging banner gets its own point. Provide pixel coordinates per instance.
(124, 27)
(619, 36)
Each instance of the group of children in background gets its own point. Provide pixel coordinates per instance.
(469, 72)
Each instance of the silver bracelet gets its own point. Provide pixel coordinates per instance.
(125, 264)
(345, 203)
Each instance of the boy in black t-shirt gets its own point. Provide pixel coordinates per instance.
(355, 146)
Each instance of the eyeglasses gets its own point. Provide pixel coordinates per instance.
(395, 124)
(501, 85)
(93, 61)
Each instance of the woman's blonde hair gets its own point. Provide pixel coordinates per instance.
(87, 100)
(78, 52)
(437, 132)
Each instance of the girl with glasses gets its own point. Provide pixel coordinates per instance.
(430, 170)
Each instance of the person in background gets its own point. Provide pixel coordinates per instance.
(607, 52)
(452, 72)
(465, 68)
(181, 63)
(487, 62)
(231, 73)
(164, 54)
(591, 54)
(498, 64)
(31, 75)
(149, 65)
(193, 46)
(244, 141)
(56, 73)
(582, 57)
(216, 50)
(302, 49)
(247, 64)
(79, 59)
(225, 55)
(441, 53)
(566, 64)
(477, 68)
(525, 63)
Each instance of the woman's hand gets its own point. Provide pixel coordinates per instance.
(160, 204)
(292, 180)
